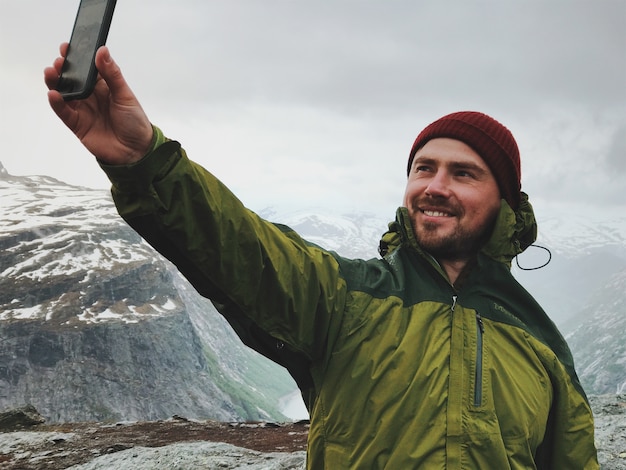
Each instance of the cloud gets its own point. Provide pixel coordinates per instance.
(321, 100)
(384, 57)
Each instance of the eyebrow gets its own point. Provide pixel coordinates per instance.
(469, 166)
(454, 165)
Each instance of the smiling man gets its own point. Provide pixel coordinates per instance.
(429, 357)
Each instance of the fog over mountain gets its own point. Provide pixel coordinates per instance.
(95, 325)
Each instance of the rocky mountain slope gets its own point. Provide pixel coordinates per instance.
(95, 326)
(598, 339)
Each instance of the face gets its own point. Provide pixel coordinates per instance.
(452, 198)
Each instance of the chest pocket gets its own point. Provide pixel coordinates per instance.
(511, 393)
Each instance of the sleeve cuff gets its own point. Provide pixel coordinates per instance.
(138, 176)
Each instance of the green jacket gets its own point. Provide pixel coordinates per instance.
(399, 369)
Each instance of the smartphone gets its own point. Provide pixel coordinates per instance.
(91, 28)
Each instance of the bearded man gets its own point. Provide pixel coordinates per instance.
(431, 356)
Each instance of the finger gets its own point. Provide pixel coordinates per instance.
(50, 77)
(112, 75)
(51, 74)
(58, 64)
(60, 107)
(63, 48)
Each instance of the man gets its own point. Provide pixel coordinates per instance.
(431, 357)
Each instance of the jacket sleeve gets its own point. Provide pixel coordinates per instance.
(287, 287)
(569, 440)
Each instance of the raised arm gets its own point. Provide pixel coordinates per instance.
(283, 285)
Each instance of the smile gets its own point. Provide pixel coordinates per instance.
(435, 213)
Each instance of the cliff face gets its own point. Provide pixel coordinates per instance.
(147, 370)
(94, 325)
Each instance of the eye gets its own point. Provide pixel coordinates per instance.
(465, 174)
(422, 168)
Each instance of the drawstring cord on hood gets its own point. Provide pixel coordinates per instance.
(537, 267)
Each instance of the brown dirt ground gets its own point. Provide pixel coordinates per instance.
(93, 439)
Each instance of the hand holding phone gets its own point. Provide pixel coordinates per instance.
(110, 123)
(91, 28)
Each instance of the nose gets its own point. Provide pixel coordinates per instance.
(439, 185)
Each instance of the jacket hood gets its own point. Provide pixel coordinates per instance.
(514, 231)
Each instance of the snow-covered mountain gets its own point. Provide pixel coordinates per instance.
(354, 235)
(95, 325)
(586, 231)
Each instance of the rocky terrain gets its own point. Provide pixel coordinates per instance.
(179, 443)
(610, 416)
(167, 444)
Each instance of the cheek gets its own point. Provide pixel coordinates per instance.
(484, 209)
(406, 198)
(410, 193)
(492, 201)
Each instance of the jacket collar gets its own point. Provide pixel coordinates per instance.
(514, 231)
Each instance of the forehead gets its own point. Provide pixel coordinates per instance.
(444, 150)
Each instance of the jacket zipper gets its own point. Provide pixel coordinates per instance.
(478, 374)
(478, 379)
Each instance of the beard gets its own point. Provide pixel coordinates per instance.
(461, 243)
(457, 245)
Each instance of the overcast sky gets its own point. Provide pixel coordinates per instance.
(316, 103)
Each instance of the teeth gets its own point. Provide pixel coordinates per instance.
(436, 214)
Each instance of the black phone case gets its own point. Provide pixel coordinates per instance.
(79, 73)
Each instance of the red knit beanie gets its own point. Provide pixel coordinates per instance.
(490, 139)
